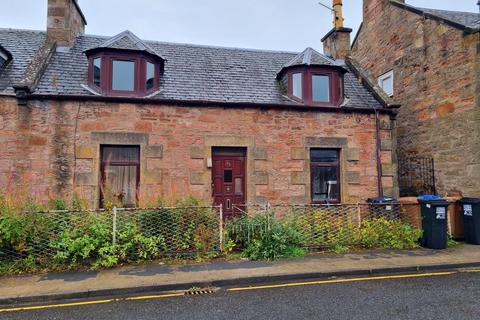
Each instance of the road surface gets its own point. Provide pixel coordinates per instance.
(413, 296)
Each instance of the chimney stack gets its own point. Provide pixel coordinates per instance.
(65, 21)
(336, 43)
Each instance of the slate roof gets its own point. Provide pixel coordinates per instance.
(22, 45)
(126, 41)
(191, 72)
(467, 19)
(309, 57)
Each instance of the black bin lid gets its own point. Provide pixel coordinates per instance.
(435, 203)
(381, 200)
(470, 201)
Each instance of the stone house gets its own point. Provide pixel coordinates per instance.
(131, 120)
(429, 61)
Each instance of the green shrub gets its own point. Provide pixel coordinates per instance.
(264, 237)
(85, 240)
(388, 234)
(22, 228)
(57, 204)
(133, 245)
(325, 229)
(31, 237)
(185, 229)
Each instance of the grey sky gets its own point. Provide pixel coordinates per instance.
(267, 24)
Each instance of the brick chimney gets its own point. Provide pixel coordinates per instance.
(336, 43)
(65, 21)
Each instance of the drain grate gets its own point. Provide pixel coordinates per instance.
(193, 292)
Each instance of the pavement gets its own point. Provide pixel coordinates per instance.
(165, 277)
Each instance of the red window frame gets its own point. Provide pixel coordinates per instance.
(335, 85)
(318, 164)
(140, 76)
(103, 164)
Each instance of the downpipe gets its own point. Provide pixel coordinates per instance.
(379, 154)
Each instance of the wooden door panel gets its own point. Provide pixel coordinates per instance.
(228, 182)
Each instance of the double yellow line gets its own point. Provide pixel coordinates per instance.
(274, 286)
(86, 303)
(309, 283)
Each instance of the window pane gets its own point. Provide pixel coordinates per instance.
(387, 85)
(121, 154)
(320, 88)
(123, 75)
(238, 186)
(150, 75)
(97, 66)
(227, 176)
(297, 85)
(385, 81)
(121, 185)
(325, 184)
(324, 155)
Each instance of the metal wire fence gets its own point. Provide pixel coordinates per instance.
(326, 226)
(110, 237)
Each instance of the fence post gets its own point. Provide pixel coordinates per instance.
(114, 224)
(221, 227)
(359, 213)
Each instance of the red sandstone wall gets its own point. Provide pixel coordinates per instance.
(43, 142)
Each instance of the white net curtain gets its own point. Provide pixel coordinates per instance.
(121, 166)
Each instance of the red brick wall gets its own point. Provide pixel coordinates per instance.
(436, 76)
(43, 143)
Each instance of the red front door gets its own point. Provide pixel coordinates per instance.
(228, 179)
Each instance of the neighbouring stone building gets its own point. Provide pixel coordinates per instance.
(429, 61)
(137, 120)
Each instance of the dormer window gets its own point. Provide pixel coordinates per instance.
(313, 79)
(122, 74)
(124, 66)
(315, 85)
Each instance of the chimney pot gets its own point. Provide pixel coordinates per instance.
(336, 43)
(338, 14)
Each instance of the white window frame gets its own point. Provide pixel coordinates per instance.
(382, 78)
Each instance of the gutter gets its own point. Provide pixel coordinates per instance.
(205, 103)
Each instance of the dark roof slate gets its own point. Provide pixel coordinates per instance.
(22, 45)
(191, 72)
(126, 40)
(467, 19)
(309, 57)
